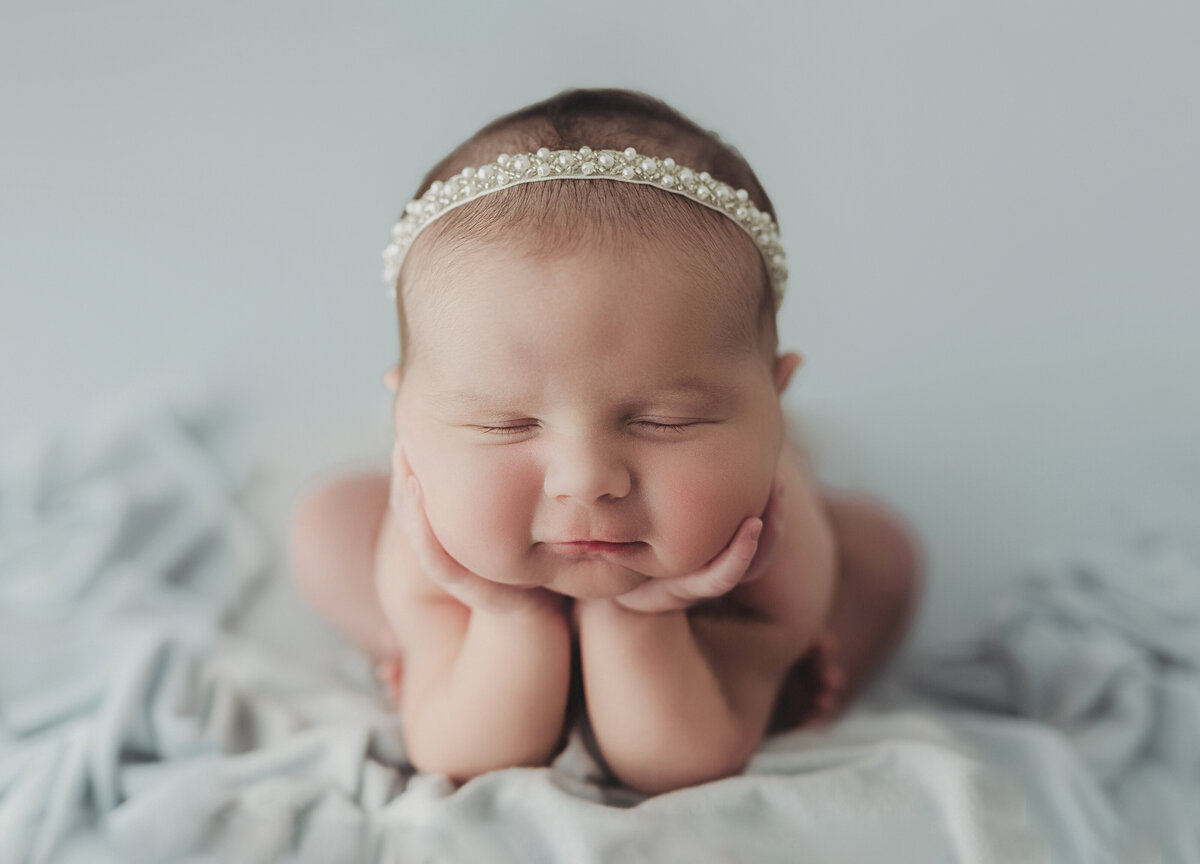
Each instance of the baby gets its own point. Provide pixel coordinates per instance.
(593, 505)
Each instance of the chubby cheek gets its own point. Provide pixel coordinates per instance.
(699, 507)
(479, 503)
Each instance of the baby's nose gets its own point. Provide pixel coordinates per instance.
(587, 470)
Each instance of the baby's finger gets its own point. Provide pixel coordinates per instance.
(456, 580)
(400, 461)
(773, 521)
(715, 579)
(401, 471)
(434, 559)
(723, 573)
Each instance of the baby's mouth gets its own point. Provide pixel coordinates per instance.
(595, 549)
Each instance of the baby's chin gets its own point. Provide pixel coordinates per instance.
(594, 580)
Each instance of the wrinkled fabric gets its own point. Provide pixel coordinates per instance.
(1102, 646)
(136, 725)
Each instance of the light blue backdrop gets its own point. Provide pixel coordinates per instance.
(991, 213)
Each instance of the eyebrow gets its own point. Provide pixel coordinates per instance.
(465, 399)
(696, 387)
(688, 388)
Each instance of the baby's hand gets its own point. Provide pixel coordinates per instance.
(468, 588)
(744, 559)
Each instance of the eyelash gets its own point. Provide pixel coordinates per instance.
(504, 430)
(667, 427)
(510, 431)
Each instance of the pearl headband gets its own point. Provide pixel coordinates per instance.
(587, 164)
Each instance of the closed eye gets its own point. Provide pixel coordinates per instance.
(656, 427)
(502, 431)
(668, 428)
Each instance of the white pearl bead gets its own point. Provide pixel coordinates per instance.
(509, 170)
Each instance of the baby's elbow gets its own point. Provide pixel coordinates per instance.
(692, 764)
(650, 782)
(460, 761)
(444, 761)
(459, 771)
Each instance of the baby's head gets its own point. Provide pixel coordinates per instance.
(589, 360)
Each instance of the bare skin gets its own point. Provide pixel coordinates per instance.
(340, 528)
(592, 507)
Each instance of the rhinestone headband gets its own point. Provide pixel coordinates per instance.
(587, 164)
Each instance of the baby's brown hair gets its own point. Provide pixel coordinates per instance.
(551, 218)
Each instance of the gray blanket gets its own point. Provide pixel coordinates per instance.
(137, 723)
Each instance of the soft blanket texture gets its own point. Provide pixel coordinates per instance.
(139, 723)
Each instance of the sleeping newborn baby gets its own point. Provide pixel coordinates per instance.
(592, 491)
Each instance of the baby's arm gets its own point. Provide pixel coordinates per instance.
(485, 685)
(667, 710)
(683, 697)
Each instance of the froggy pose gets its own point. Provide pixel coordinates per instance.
(591, 460)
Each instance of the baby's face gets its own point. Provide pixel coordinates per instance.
(581, 423)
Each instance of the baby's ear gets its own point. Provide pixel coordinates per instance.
(785, 365)
(391, 379)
